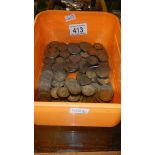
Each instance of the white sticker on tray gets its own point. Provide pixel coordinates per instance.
(78, 29)
(79, 110)
(70, 17)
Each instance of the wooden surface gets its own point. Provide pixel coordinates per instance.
(83, 153)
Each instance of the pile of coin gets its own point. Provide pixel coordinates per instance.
(88, 62)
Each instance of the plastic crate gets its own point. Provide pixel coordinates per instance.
(103, 28)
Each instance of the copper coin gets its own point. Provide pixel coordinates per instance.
(106, 93)
(52, 44)
(88, 90)
(57, 83)
(71, 67)
(73, 86)
(75, 58)
(85, 46)
(90, 74)
(102, 55)
(65, 54)
(92, 60)
(54, 92)
(60, 75)
(62, 92)
(74, 48)
(83, 79)
(60, 60)
(102, 72)
(62, 47)
(103, 81)
(57, 67)
(105, 64)
(92, 51)
(83, 67)
(84, 54)
(97, 86)
(47, 67)
(74, 98)
(98, 46)
(48, 60)
(52, 53)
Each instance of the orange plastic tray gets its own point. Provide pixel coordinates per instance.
(103, 28)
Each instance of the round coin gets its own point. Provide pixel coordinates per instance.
(98, 46)
(60, 75)
(60, 60)
(74, 48)
(84, 54)
(62, 47)
(52, 53)
(54, 92)
(92, 51)
(88, 90)
(75, 58)
(83, 67)
(71, 67)
(102, 72)
(62, 92)
(74, 98)
(90, 74)
(65, 54)
(57, 83)
(102, 55)
(103, 81)
(48, 61)
(92, 60)
(83, 79)
(57, 67)
(53, 44)
(85, 46)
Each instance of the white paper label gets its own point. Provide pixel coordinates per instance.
(79, 110)
(70, 17)
(78, 29)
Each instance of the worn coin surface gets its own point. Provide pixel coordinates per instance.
(85, 46)
(57, 67)
(83, 79)
(52, 44)
(48, 61)
(44, 85)
(74, 98)
(84, 54)
(92, 60)
(83, 67)
(71, 67)
(92, 51)
(75, 58)
(98, 46)
(74, 48)
(54, 92)
(62, 46)
(103, 81)
(90, 73)
(88, 90)
(102, 55)
(62, 92)
(57, 83)
(52, 52)
(60, 75)
(46, 74)
(102, 72)
(60, 60)
(73, 86)
(65, 54)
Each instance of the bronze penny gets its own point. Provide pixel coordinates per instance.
(73, 86)
(103, 81)
(97, 86)
(57, 83)
(52, 44)
(102, 55)
(43, 96)
(88, 90)
(92, 60)
(74, 98)
(83, 79)
(60, 75)
(62, 47)
(85, 46)
(102, 72)
(84, 54)
(74, 48)
(90, 74)
(75, 58)
(71, 67)
(57, 67)
(54, 92)
(92, 51)
(65, 54)
(48, 60)
(52, 53)
(62, 92)
(60, 60)
(98, 46)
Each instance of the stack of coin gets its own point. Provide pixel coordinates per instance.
(89, 63)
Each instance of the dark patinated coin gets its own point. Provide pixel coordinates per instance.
(43, 96)
(48, 61)
(44, 85)
(62, 92)
(57, 67)
(74, 98)
(54, 92)
(57, 83)
(60, 60)
(83, 79)
(88, 90)
(102, 72)
(97, 86)
(65, 54)
(71, 67)
(75, 58)
(84, 54)
(52, 53)
(98, 46)
(85, 46)
(92, 60)
(52, 44)
(73, 86)
(106, 93)
(92, 51)
(62, 47)
(90, 74)
(74, 48)
(103, 81)
(83, 67)
(46, 74)
(60, 75)
(102, 55)
(47, 67)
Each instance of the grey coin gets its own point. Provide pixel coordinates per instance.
(73, 86)
(60, 60)
(57, 84)
(65, 54)
(60, 75)
(85, 46)
(84, 54)
(75, 58)
(92, 60)
(74, 98)
(44, 85)
(103, 81)
(102, 72)
(98, 46)
(57, 67)
(88, 90)
(83, 79)
(74, 48)
(46, 74)
(90, 74)
(62, 92)
(54, 92)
